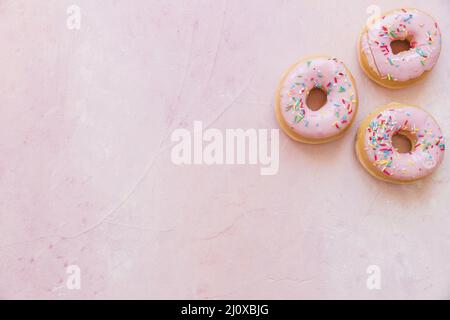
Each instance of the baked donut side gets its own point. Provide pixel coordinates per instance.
(375, 150)
(330, 122)
(397, 71)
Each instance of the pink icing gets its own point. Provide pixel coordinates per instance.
(366, 50)
(330, 75)
(425, 40)
(426, 155)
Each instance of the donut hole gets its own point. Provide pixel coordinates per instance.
(398, 46)
(403, 142)
(316, 99)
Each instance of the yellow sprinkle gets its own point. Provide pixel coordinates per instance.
(381, 162)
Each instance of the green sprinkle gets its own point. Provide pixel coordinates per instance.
(341, 89)
(420, 52)
(298, 118)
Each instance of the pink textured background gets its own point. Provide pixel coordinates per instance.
(86, 176)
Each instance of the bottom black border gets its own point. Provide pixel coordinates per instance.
(223, 309)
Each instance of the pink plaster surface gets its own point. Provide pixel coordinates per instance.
(86, 176)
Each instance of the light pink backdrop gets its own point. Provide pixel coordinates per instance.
(86, 176)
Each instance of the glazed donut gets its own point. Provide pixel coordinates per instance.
(399, 70)
(375, 150)
(329, 122)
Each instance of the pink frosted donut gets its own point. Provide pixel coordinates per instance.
(376, 152)
(329, 122)
(399, 70)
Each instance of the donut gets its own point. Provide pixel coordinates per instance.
(379, 61)
(377, 154)
(328, 123)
